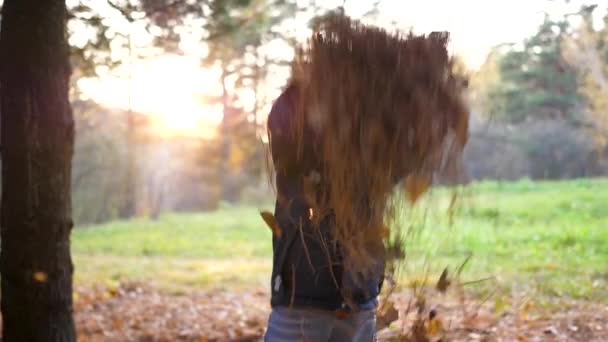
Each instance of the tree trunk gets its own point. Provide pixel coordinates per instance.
(37, 140)
(259, 150)
(128, 208)
(223, 172)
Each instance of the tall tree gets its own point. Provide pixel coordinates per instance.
(37, 142)
(586, 49)
(484, 83)
(236, 31)
(536, 80)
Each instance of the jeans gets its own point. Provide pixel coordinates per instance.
(291, 325)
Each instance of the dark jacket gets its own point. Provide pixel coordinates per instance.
(307, 265)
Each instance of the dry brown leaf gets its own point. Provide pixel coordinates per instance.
(386, 316)
(415, 186)
(434, 327)
(139, 313)
(271, 222)
(382, 121)
(117, 324)
(444, 282)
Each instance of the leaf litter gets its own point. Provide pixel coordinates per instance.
(140, 312)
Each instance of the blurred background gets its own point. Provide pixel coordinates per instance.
(171, 98)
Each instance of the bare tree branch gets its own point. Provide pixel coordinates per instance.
(127, 15)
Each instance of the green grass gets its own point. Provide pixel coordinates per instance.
(541, 238)
(547, 238)
(224, 234)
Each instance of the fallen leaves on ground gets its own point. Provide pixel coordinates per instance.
(139, 312)
(451, 320)
(133, 312)
(386, 315)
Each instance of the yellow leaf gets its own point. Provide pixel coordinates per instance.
(524, 309)
(500, 303)
(434, 327)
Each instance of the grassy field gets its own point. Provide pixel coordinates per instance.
(540, 238)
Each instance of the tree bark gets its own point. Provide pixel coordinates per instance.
(223, 172)
(128, 208)
(37, 139)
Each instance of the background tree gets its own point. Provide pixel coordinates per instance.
(537, 82)
(586, 49)
(37, 141)
(541, 100)
(236, 31)
(485, 83)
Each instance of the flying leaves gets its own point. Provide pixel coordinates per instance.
(271, 222)
(415, 186)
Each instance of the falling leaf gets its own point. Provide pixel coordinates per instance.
(271, 222)
(443, 283)
(415, 186)
(386, 232)
(419, 331)
(40, 277)
(387, 315)
(341, 314)
(451, 207)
